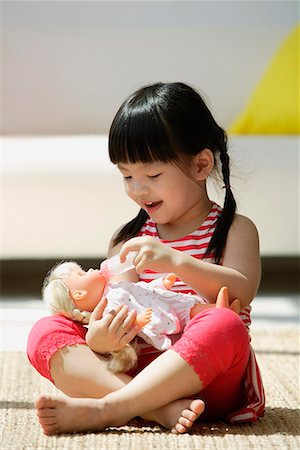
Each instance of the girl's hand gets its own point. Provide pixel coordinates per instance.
(113, 331)
(151, 254)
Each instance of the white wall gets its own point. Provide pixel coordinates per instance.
(66, 66)
(59, 203)
(65, 69)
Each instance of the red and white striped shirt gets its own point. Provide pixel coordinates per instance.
(195, 244)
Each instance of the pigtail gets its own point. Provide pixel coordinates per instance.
(132, 228)
(218, 240)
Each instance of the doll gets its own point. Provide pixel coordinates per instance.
(74, 293)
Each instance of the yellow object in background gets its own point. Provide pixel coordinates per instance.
(274, 106)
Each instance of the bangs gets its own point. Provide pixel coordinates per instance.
(140, 135)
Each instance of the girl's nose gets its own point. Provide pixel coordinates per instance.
(139, 188)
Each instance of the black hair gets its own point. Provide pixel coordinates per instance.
(170, 122)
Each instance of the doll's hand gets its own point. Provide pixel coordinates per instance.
(223, 301)
(113, 331)
(151, 254)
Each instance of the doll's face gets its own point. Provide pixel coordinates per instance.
(86, 288)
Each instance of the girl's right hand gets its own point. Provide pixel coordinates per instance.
(113, 331)
(151, 254)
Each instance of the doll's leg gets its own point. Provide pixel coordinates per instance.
(143, 318)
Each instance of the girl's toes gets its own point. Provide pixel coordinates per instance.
(47, 421)
(187, 423)
(45, 412)
(188, 414)
(45, 401)
(49, 431)
(179, 429)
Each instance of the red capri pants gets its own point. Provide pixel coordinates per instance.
(215, 343)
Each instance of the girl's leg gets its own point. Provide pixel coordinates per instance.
(169, 378)
(57, 349)
(166, 379)
(79, 372)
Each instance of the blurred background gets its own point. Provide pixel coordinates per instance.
(65, 69)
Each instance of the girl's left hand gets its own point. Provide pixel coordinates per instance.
(151, 254)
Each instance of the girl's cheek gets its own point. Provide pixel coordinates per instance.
(129, 192)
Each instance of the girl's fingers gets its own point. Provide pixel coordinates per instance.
(118, 319)
(141, 264)
(109, 317)
(129, 336)
(98, 311)
(128, 322)
(129, 246)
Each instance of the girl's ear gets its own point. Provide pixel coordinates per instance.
(78, 295)
(204, 163)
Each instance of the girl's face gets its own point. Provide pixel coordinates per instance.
(90, 284)
(164, 191)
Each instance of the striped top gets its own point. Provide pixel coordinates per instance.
(195, 244)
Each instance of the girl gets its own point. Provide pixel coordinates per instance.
(166, 144)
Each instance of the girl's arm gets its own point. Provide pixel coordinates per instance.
(240, 271)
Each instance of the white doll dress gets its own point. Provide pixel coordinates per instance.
(170, 310)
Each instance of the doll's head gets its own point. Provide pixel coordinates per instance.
(72, 292)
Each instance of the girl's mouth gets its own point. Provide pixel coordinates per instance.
(152, 206)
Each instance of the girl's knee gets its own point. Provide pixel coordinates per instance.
(47, 336)
(214, 342)
(218, 323)
(218, 316)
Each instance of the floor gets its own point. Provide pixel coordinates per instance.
(19, 314)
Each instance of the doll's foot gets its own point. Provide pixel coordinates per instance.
(178, 416)
(223, 301)
(143, 318)
(169, 280)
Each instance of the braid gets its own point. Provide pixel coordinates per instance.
(131, 228)
(219, 237)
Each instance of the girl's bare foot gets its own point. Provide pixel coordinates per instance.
(66, 415)
(179, 415)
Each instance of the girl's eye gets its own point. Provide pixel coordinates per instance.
(154, 176)
(127, 178)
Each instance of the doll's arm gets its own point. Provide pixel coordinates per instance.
(143, 318)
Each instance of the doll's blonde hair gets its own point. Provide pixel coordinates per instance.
(57, 297)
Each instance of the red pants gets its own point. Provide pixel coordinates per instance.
(215, 343)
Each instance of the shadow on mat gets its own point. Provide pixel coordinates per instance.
(276, 420)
